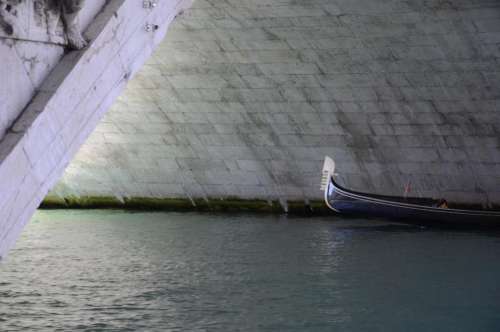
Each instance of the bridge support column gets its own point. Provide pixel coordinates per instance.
(70, 103)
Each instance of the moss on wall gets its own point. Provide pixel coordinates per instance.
(230, 204)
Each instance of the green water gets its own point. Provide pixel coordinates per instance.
(116, 271)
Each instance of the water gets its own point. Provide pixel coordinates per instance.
(115, 271)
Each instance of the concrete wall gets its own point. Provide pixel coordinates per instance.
(245, 97)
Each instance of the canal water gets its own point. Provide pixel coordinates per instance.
(117, 271)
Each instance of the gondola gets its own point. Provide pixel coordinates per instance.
(413, 210)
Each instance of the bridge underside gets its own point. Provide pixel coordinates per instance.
(245, 98)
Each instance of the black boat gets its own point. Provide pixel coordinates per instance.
(414, 210)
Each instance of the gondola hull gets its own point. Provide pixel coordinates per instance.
(412, 210)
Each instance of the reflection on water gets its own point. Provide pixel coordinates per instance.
(116, 271)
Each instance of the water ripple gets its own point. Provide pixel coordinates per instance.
(113, 271)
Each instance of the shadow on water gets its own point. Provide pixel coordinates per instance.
(373, 224)
(378, 225)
